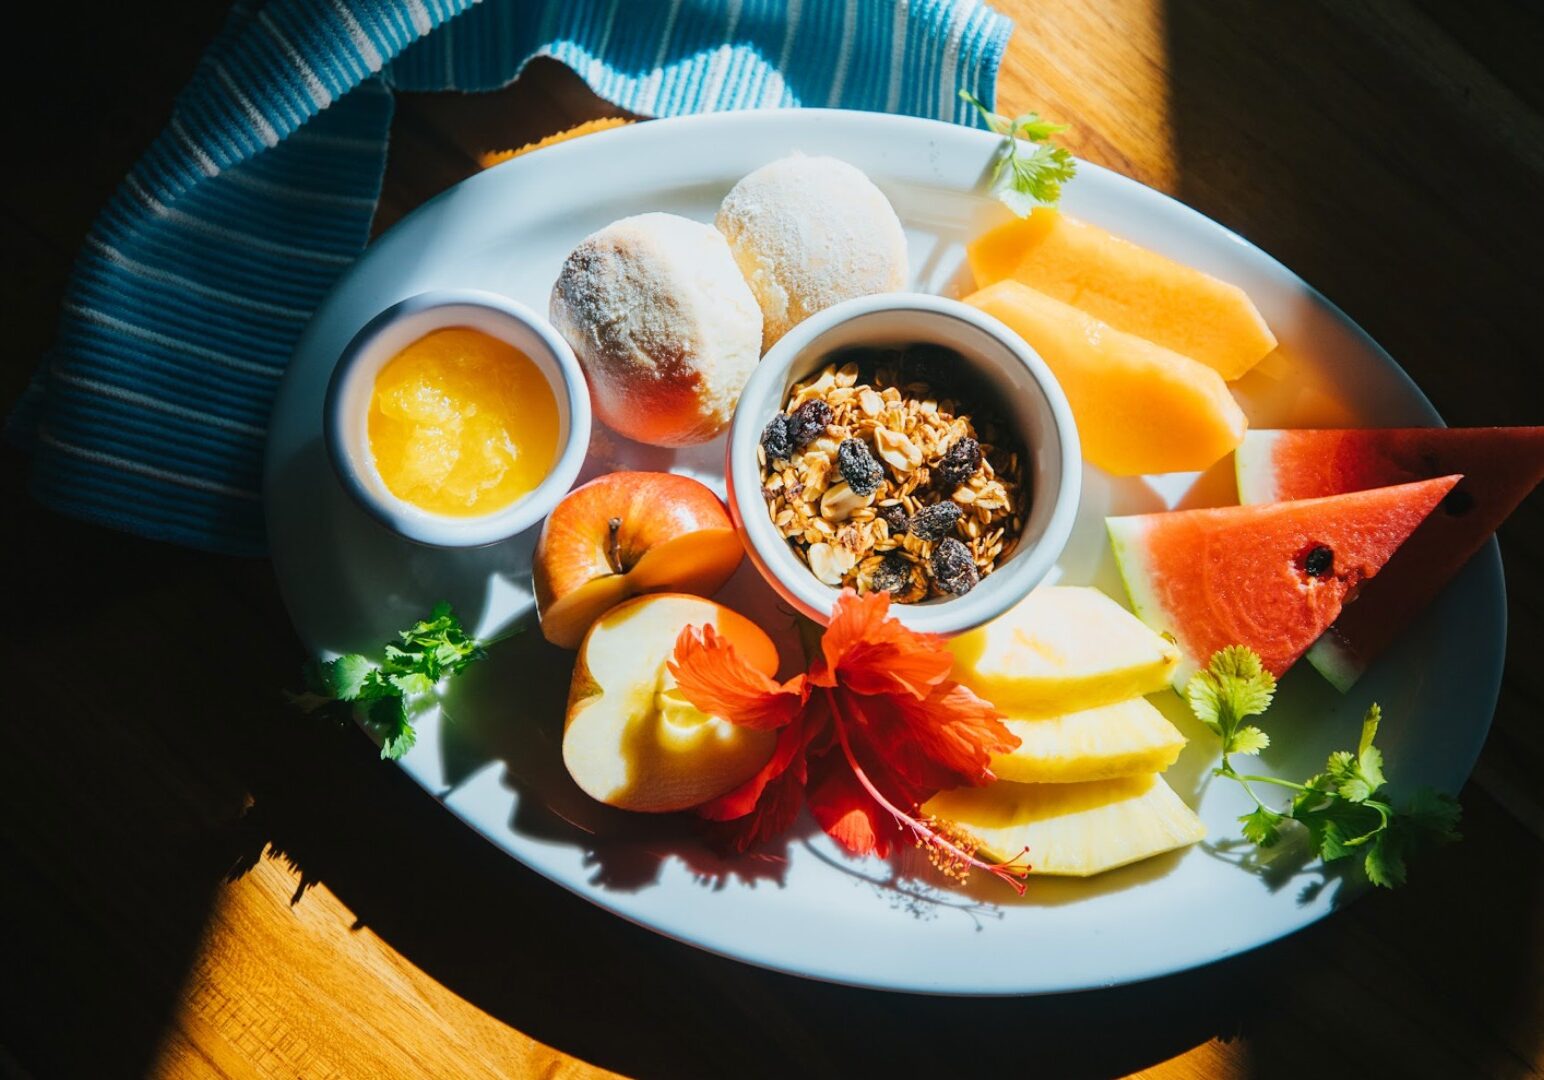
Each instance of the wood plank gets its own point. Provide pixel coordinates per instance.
(208, 885)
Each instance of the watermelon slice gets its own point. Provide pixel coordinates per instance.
(1271, 577)
(1500, 467)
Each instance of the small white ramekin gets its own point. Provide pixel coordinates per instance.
(345, 417)
(1025, 391)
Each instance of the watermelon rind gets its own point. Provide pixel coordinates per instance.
(1380, 520)
(1507, 463)
(1331, 659)
(1254, 467)
(1126, 543)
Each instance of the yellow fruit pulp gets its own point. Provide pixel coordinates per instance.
(1062, 649)
(462, 423)
(1072, 829)
(1128, 738)
(1128, 287)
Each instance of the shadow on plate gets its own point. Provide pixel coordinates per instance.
(337, 593)
(500, 712)
(627, 851)
(1288, 862)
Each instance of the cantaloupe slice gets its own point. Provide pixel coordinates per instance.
(1129, 287)
(1072, 829)
(1140, 408)
(1127, 738)
(1062, 649)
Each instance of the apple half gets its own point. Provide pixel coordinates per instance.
(630, 739)
(624, 534)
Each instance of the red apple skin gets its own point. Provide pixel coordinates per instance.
(673, 535)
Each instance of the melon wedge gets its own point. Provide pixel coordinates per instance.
(1062, 649)
(1271, 577)
(1129, 287)
(1125, 739)
(1140, 408)
(1073, 829)
(1500, 466)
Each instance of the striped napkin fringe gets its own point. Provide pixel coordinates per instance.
(197, 279)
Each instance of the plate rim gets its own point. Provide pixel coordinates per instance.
(904, 127)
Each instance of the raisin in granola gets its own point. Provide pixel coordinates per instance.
(858, 467)
(960, 463)
(953, 570)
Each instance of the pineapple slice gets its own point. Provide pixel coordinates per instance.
(1063, 649)
(1125, 739)
(1073, 829)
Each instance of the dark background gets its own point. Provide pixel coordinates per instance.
(1393, 155)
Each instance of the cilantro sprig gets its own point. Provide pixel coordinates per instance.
(411, 667)
(1030, 169)
(1345, 809)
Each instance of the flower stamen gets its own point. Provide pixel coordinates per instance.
(949, 847)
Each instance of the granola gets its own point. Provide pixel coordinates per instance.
(880, 483)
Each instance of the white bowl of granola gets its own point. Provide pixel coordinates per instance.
(910, 444)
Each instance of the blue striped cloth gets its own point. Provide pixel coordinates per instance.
(197, 278)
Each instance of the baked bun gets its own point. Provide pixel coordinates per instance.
(662, 323)
(809, 232)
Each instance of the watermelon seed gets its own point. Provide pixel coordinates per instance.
(1319, 561)
(1457, 502)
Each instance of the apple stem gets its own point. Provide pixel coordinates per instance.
(614, 548)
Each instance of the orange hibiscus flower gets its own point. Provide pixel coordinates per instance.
(868, 734)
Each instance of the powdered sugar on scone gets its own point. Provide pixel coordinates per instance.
(663, 324)
(809, 232)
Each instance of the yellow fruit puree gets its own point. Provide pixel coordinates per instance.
(462, 423)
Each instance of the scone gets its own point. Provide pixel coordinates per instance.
(662, 323)
(809, 232)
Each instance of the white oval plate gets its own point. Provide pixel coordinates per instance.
(803, 907)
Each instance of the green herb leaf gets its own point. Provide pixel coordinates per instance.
(1336, 826)
(1026, 175)
(1385, 862)
(389, 720)
(1370, 724)
(1342, 809)
(1430, 820)
(1433, 817)
(346, 676)
(1234, 686)
(1040, 174)
(1250, 740)
(413, 682)
(412, 666)
(1262, 826)
(1359, 777)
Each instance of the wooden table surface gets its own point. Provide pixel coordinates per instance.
(198, 883)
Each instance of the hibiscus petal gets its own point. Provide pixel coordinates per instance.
(879, 736)
(743, 799)
(855, 619)
(713, 677)
(847, 813)
(891, 667)
(957, 730)
(869, 652)
(776, 810)
(914, 749)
